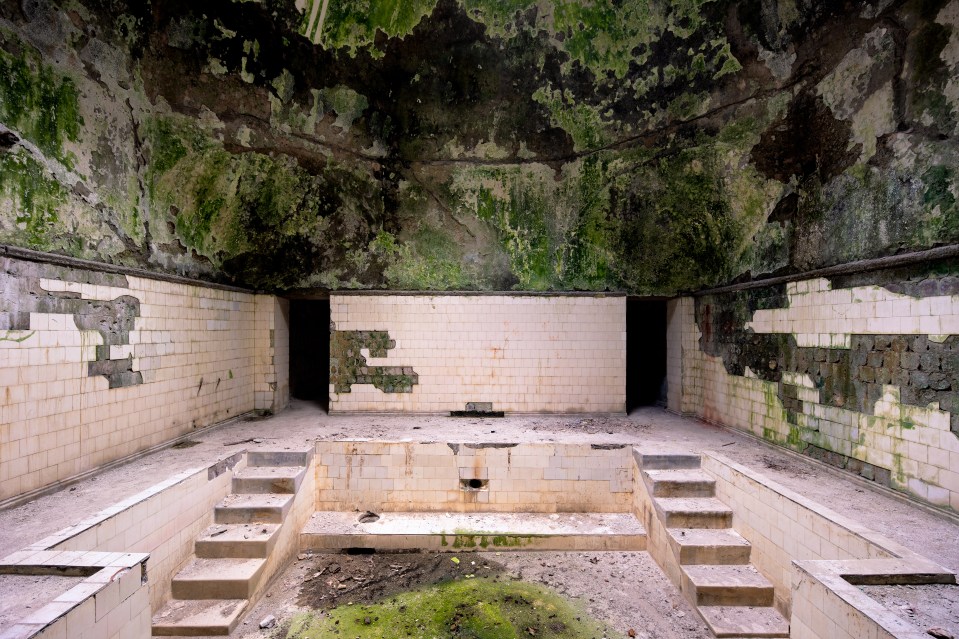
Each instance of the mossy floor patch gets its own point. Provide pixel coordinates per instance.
(466, 607)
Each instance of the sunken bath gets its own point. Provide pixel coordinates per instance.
(196, 553)
(456, 496)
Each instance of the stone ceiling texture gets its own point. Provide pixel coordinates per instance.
(648, 146)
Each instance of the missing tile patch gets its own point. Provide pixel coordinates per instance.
(348, 364)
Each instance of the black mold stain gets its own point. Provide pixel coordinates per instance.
(808, 143)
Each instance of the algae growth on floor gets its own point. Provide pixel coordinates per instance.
(467, 607)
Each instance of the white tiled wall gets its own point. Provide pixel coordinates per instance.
(271, 387)
(112, 603)
(524, 354)
(406, 476)
(914, 443)
(678, 317)
(194, 347)
(141, 542)
(163, 521)
(820, 316)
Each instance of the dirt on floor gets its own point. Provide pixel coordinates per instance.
(21, 595)
(303, 423)
(624, 590)
(367, 578)
(933, 608)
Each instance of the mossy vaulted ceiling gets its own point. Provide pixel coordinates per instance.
(653, 147)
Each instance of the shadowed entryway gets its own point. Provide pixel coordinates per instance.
(310, 350)
(645, 353)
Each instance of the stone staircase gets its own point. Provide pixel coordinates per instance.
(213, 591)
(732, 596)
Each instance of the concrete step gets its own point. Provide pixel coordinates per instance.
(681, 483)
(244, 509)
(479, 531)
(745, 621)
(237, 541)
(709, 546)
(279, 457)
(667, 461)
(718, 585)
(218, 579)
(198, 617)
(268, 479)
(694, 512)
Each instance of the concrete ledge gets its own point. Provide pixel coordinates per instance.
(22, 498)
(71, 532)
(463, 532)
(114, 549)
(113, 591)
(836, 554)
(879, 544)
(827, 604)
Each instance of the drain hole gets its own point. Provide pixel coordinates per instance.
(369, 517)
(361, 551)
(473, 484)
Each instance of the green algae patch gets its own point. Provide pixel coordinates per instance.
(939, 198)
(608, 37)
(478, 608)
(499, 16)
(581, 121)
(603, 35)
(263, 219)
(347, 103)
(481, 539)
(430, 260)
(354, 25)
(38, 102)
(36, 198)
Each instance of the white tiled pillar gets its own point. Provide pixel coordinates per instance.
(271, 392)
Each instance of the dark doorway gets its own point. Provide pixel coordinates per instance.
(310, 350)
(645, 353)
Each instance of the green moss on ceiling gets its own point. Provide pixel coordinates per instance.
(264, 215)
(678, 231)
(36, 101)
(355, 24)
(604, 36)
(648, 146)
(555, 232)
(34, 198)
(581, 121)
(939, 200)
